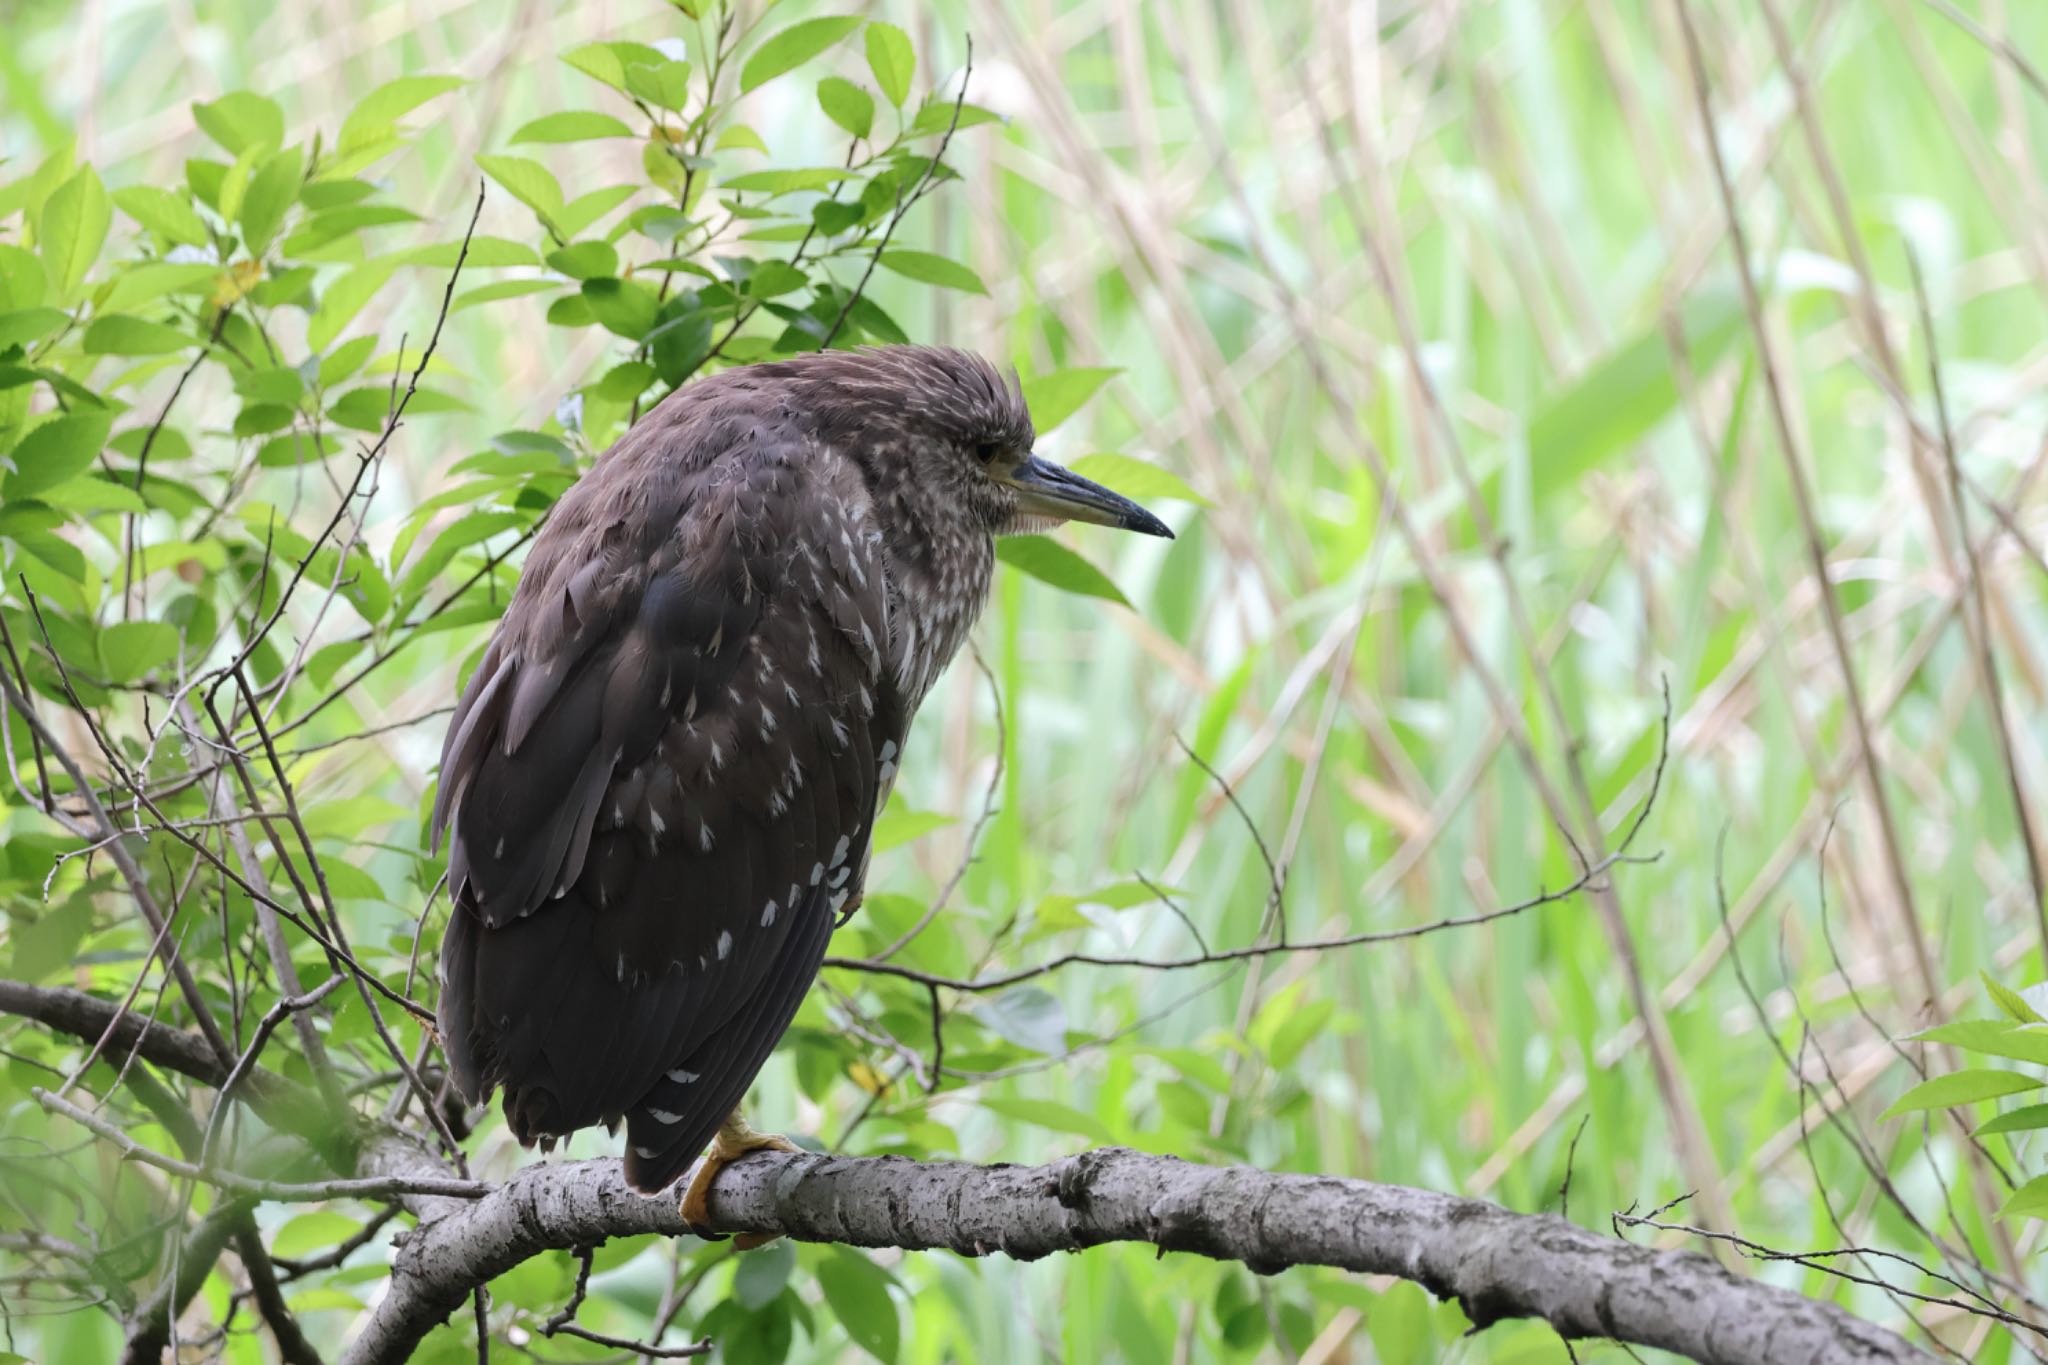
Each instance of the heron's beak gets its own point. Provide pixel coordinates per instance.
(1045, 489)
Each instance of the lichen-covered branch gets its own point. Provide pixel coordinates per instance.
(1497, 1263)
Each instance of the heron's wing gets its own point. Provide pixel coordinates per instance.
(663, 778)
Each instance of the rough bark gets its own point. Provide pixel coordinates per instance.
(1497, 1263)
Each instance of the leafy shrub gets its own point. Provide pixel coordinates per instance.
(200, 387)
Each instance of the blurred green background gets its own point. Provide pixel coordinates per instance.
(1434, 308)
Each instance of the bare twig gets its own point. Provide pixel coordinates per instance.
(372, 1187)
(1590, 876)
(904, 203)
(131, 871)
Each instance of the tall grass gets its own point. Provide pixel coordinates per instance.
(1436, 305)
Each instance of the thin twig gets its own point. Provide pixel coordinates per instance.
(285, 1192)
(904, 204)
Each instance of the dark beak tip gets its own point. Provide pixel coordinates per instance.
(1147, 524)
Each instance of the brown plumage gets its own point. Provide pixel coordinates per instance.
(661, 781)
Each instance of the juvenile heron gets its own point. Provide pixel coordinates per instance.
(661, 782)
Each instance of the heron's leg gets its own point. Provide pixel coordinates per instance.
(735, 1139)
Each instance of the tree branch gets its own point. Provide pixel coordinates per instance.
(1497, 1263)
(283, 1103)
(292, 1346)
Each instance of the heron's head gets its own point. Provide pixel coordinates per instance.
(946, 436)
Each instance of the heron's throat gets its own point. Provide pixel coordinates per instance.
(934, 599)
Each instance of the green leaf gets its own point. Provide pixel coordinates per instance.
(344, 299)
(272, 384)
(847, 105)
(145, 283)
(1627, 393)
(2029, 1200)
(476, 526)
(623, 307)
(1296, 1030)
(535, 1284)
(324, 194)
(787, 181)
(858, 1291)
(597, 60)
(575, 125)
(345, 161)
(486, 253)
(1961, 1087)
(23, 280)
(369, 408)
(379, 110)
(624, 382)
(167, 444)
(940, 115)
(607, 62)
(234, 183)
(664, 84)
(1199, 1067)
(1051, 562)
(762, 1274)
(50, 941)
(833, 216)
(344, 360)
(55, 451)
(241, 122)
(130, 649)
(1029, 1017)
(1056, 396)
(295, 448)
(1135, 479)
(204, 177)
(900, 825)
(531, 183)
(1399, 1326)
(570, 310)
(772, 279)
(74, 225)
(2025, 1119)
(120, 334)
(343, 221)
(260, 419)
(1995, 1037)
(585, 260)
(55, 553)
(892, 59)
(2011, 1001)
(502, 289)
(739, 135)
(580, 212)
(164, 212)
(1060, 1118)
(929, 268)
(90, 492)
(26, 324)
(270, 194)
(793, 46)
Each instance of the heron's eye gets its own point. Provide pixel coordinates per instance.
(987, 451)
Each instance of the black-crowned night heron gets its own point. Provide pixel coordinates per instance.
(665, 772)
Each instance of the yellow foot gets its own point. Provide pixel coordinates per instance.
(735, 1139)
